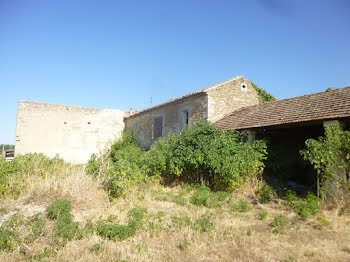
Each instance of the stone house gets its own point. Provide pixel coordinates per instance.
(74, 133)
(211, 104)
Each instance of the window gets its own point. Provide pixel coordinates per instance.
(184, 119)
(157, 127)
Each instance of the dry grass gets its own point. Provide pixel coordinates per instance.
(236, 237)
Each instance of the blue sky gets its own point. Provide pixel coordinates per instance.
(118, 54)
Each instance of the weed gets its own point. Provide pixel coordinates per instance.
(38, 227)
(244, 206)
(205, 224)
(181, 221)
(303, 207)
(9, 239)
(265, 194)
(66, 229)
(200, 197)
(97, 247)
(278, 223)
(185, 244)
(57, 208)
(234, 207)
(323, 221)
(263, 214)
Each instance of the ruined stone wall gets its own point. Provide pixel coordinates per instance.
(229, 96)
(171, 113)
(72, 132)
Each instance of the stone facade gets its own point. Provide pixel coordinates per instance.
(210, 104)
(172, 115)
(74, 133)
(230, 96)
(71, 132)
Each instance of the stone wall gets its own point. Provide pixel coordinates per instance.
(72, 132)
(196, 106)
(229, 96)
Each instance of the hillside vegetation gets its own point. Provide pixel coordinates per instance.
(180, 201)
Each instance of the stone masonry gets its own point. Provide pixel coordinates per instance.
(72, 132)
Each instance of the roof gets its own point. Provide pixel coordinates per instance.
(181, 98)
(319, 106)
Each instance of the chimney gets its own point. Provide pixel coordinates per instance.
(132, 110)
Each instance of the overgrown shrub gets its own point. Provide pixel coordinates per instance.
(278, 223)
(330, 157)
(13, 173)
(204, 154)
(121, 166)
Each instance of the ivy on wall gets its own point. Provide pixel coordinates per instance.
(264, 96)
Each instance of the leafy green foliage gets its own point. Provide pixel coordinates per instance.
(13, 173)
(121, 232)
(243, 206)
(206, 223)
(38, 227)
(204, 154)
(263, 95)
(9, 239)
(264, 194)
(278, 223)
(263, 214)
(121, 167)
(326, 154)
(303, 207)
(59, 207)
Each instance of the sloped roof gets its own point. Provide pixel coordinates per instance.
(180, 98)
(319, 106)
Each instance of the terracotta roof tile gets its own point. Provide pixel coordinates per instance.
(319, 106)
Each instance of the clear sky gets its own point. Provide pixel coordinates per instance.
(118, 54)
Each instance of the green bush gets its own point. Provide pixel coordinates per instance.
(205, 154)
(327, 154)
(58, 208)
(121, 169)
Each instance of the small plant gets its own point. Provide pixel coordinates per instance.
(9, 239)
(181, 221)
(201, 196)
(66, 229)
(323, 221)
(14, 221)
(278, 223)
(263, 214)
(97, 247)
(244, 206)
(265, 194)
(185, 244)
(205, 224)
(38, 227)
(58, 208)
(303, 207)
(234, 207)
